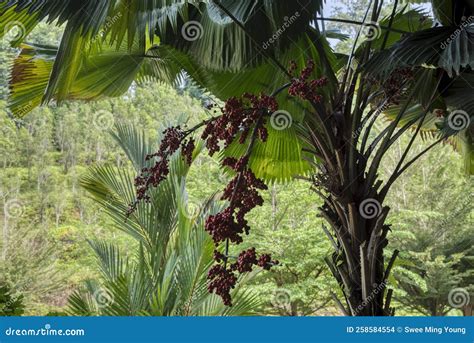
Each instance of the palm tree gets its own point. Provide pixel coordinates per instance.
(414, 69)
(164, 271)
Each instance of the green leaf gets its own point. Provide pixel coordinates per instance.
(104, 73)
(278, 159)
(220, 44)
(110, 260)
(29, 78)
(449, 48)
(408, 21)
(168, 272)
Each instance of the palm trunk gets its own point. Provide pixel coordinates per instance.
(467, 310)
(358, 260)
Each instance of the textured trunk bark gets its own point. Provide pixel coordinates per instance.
(467, 310)
(359, 238)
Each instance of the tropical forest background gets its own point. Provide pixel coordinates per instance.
(49, 219)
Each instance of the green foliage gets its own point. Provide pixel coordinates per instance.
(101, 56)
(10, 305)
(437, 49)
(45, 154)
(425, 287)
(433, 215)
(288, 227)
(42, 157)
(165, 273)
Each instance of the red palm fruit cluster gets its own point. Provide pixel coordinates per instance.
(173, 139)
(245, 262)
(265, 261)
(239, 115)
(302, 86)
(230, 224)
(187, 149)
(248, 258)
(395, 85)
(222, 279)
(242, 194)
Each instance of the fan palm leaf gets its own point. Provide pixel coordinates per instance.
(101, 67)
(449, 48)
(233, 52)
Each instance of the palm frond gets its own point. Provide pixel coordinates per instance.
(29, 78)
(133, 143)
(405, 20)
(221, 44)
(35, 77)
(449, 48)
(111, 262)
(460, 93)
(280, 158)
(168, 272)
(80, 303)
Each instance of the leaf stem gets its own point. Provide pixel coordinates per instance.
(355, 22)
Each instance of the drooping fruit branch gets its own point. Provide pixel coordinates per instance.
(243, 119)
(242, 191)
